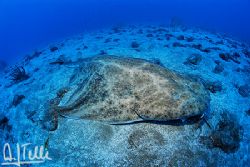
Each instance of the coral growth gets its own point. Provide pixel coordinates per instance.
(18, 74)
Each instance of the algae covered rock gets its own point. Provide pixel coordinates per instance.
(227, 135)
(123, 90)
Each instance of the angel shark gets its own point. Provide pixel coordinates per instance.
(123, 90)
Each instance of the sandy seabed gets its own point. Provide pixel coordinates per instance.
(223, 63)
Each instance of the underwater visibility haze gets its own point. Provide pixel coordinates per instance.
(28, 24)
(125, 83)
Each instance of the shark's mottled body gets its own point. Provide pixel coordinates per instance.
(121, 90)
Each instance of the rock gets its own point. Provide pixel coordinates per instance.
(206, 50)
(181, 37)
(36, 54)
(213, 86)
(194, 59)
(140, 31)
(218, 68)
(197, 46)
(60, 60)
(217, 62)
(3, 122)
(246, 53)
(116, 40)
(248, 112)
(53, 48)
(107, 40)
(177, 44)
(150, 35)
(246, 69)
(214, 48)
(161, 30)
(226, 136)
(234, 46)
(225, 56)
(238, 69)
(190, 39)
(102, 52)
(135, 45)
(168, 36)
(235, 57)
(17, 100)
(221, 42)
(98, 37)
(31, 115)
(244, 90)
(5, 129)
(123, 90)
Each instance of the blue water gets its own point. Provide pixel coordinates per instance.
(26, 25)
(114, 83)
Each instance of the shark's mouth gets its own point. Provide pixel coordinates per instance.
(175, 122)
